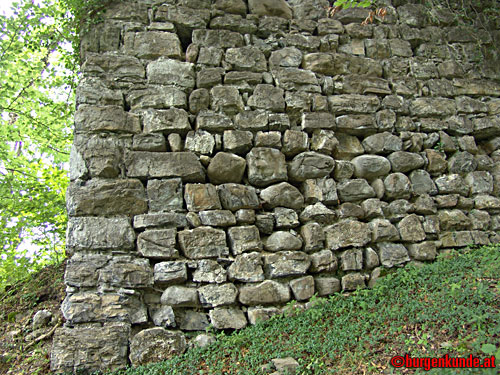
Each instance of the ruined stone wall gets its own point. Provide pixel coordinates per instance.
(232, 156)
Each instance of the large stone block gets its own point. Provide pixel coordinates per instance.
(158, 243)
(286, 263)
(281, 240)
(92, 118)
(153, 44)
(164, 195)
(203, 242)
(244, 238)
(173, 120)
(226, 168)
(235, 197)
(126, 272)
(275, 8)
(99, 233)
(185, 165)
(392, 254)
(201, 197)
(214, 295)
(246, 58)
(106, 347)
(266, 166)
(370, 166)
(227, 318)
(247, 268)
(265, 293)
(282, 195)
(155, 345)
(171, 72)
(106, 197)
(266, 96)
(166, 273)
(310, 165)
(347, 233)
(209, 271)
(354, 190)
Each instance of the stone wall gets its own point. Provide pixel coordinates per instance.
(232, 156)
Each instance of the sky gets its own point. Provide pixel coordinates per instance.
(5, 6)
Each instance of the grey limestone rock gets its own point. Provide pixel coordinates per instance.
(247, 268)
(226, 168)
(236, 197)
(174, 272)
(217, 218)
(313, 236)
(41, 319)
(165, 219)
(281, 240)
(214, 295)
(185, 165)
(194, 321)
(156, 345)
(180, 296)
(266, 166)
(353, 281)
(164, 194)
(354, 190)
(351, 260)
(326, 286)
(166, 121)
(164, 317)
(347, 233)
(275, 8)
(203, 242)
(411, 229)
(244, 238)
(106, 197)
(200, 141)
(237, 141)
(246, 58)
(318, 213)
(257, 314)
(370, 166)
(392, 254)
(383, 230)
(282, 195)
(294, 142)
(423, 251)
(106, 347)
(302, 288)
(402, 161)
(201, 197)
(209, 271)
(323, 261)
(267, 97)
(100, 233)
(92, 118)
(310, 165)
(397, 186)
(227, 318)
(226, 99)
(264, 293)
(158, 243)
(286, 263)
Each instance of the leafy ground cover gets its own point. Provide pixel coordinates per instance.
(449, 307)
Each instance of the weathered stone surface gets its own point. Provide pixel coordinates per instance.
(453, 220)
(214, 295)
(217, 218)
(392, 254)
(452, 184)
(310, 165)
(237, 141)
(99, 233)
(217, 38)
(313, 236)
(106, 197)
(351, 260)
(227, 318)
(200, 141)
(428, 107)
(285, 218)
(267, 97)
(122, 67)
(226, 167)
(213, 122)
(257, 120)
(324, 141)
(353, 103)
(91, 118)
(323, 261)
(294, 142)
(326, 286)
(436, 162)
(170, 272)
(354, 190)
(164, 195)
(462, 163)
(286, 263)
(158, 243)
(41, 319)
(257, 314)
(480, 182)
(171, 72)
(235, 197)
(402, 161)
(320, 190)
(282, 195)
(353, 281)
(347, 233)
(370, 166)
(349, 147)
(486, 202)
(156, 345)
(288, 57)
(265, 293)
(382, 143)
(88, 307)
(422, 183)
(266, 166)
(226, 99)
(156, 97)
(275, 8)
(302, 288)
(383, 230)
(180, 296)
(423, 251)
(203, 242)
(164, 317)
(360, 125)
(247, 268)
(106, 347)
(411, 229)
(185, 165)
(201, 197)
(209, 271)
(166, 219)
(244, 238)
(281, 240)
(194, 321)
(397, 186)
(246, 58)
(153, 44)
(318, 213)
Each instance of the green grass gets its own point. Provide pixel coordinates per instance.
(451, 306)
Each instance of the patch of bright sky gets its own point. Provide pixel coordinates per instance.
(5, 6)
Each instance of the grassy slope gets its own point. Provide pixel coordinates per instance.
(450, 307)
(42, 290)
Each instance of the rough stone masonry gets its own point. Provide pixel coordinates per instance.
(231, 156)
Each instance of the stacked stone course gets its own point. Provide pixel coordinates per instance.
(231, 156)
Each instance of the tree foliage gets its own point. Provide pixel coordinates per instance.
(37, 77)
